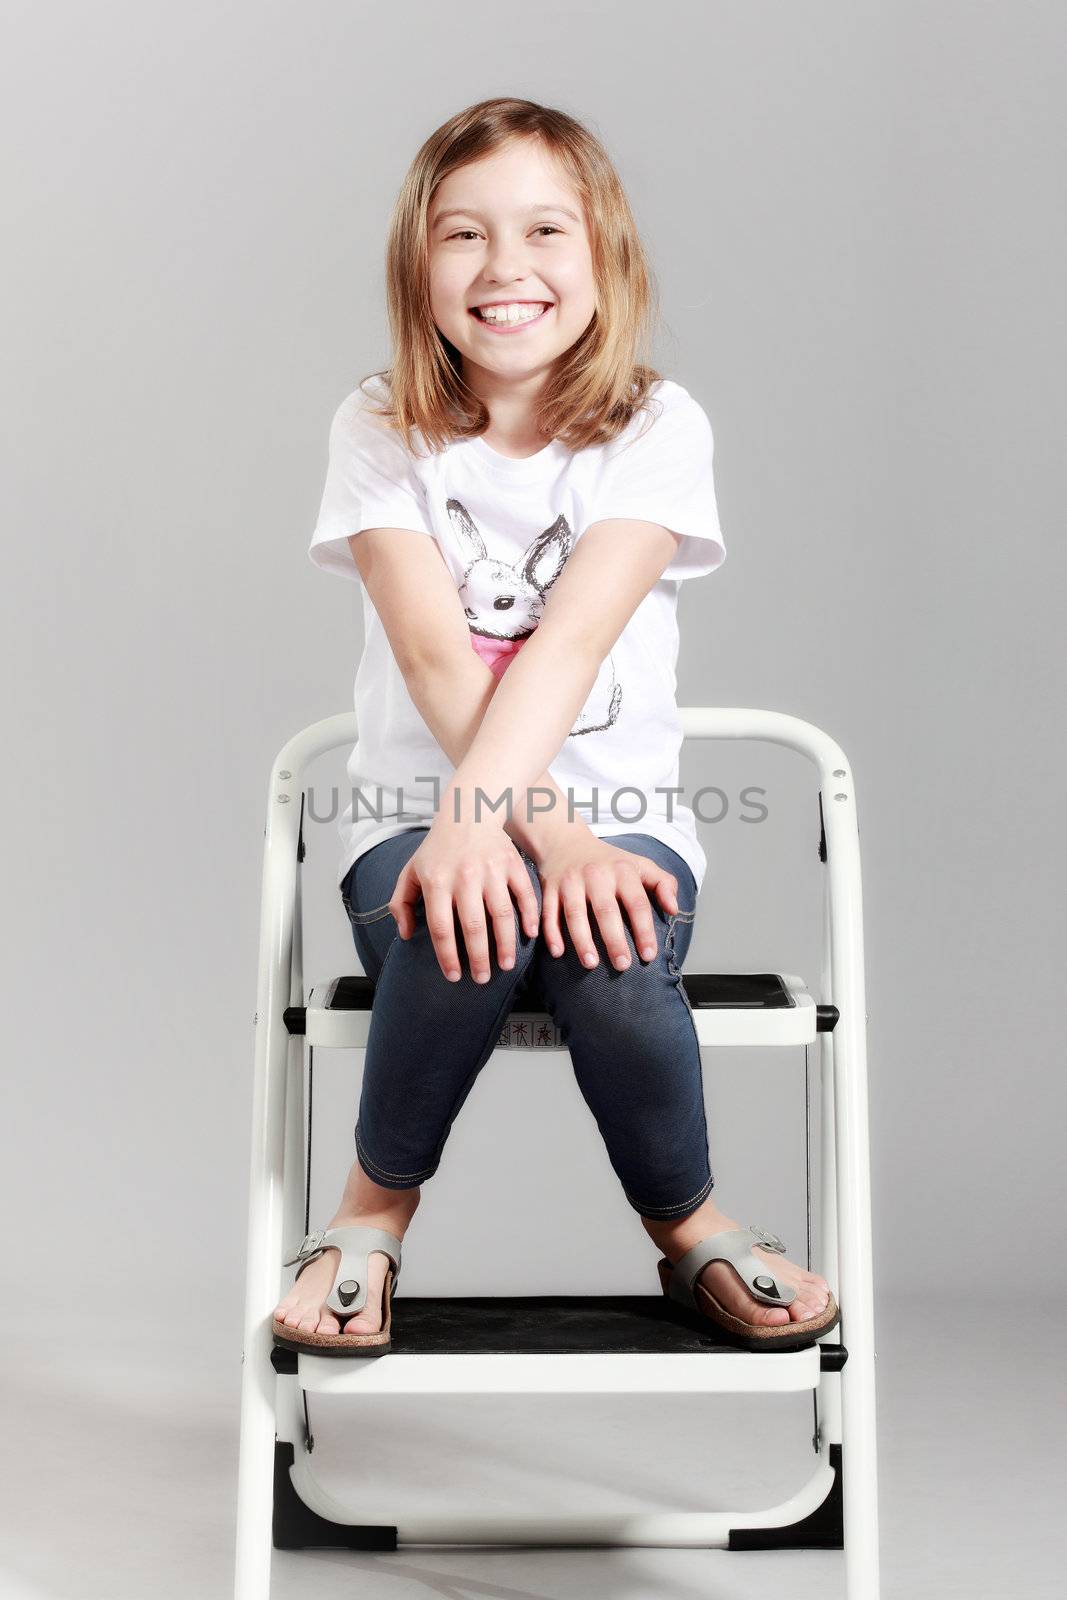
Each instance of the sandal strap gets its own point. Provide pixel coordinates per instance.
(356, 1243)
(735, 1246)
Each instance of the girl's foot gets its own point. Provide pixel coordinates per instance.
(675, 1238)
(366, 1204)
(304, 1307)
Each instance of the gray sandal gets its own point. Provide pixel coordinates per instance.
(735, 1246)
(349, 1292)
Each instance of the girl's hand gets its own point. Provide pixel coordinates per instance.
(582, 867)
(473, 865)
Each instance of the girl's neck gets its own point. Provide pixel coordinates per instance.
(512, 407)
(519, 447)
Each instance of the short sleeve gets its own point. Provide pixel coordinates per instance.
(662, 472)
(370, 483)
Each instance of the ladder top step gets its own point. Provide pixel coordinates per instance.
(729, 1008)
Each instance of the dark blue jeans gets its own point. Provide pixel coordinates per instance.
(630, 1034)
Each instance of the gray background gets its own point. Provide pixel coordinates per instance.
(855, 213)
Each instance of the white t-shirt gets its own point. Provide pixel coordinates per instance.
(505, 528)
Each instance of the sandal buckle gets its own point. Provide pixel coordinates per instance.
(311, 1245)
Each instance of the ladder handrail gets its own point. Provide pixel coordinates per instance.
(698, 722)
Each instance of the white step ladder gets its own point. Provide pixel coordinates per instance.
(588, 1344)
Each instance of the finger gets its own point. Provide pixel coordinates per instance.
(666, 886)
(525, 897)
(470, 908)
(441, 923)
(634, 897)
(502, 915)
(550, 919)
(658, 881)
(603, 897)
(574, 909)
(405, 897)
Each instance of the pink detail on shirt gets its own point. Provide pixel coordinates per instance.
(497, 654)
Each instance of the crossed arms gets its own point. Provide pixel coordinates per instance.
(503, 733)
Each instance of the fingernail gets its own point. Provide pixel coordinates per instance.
(453, 975)
(507, 964)
(649, 951)
(590, 958)
(622, 962)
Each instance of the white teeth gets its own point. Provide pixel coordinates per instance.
(511, 313)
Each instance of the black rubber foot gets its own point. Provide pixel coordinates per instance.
(297, 1527)
(821, 1529)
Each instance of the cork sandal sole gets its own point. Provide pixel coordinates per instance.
(342, 1344)
(751, 1336)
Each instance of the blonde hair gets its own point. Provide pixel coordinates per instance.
(601, 381)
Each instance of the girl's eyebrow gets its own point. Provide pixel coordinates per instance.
(465, 211)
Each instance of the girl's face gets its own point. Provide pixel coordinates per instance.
(510, 229)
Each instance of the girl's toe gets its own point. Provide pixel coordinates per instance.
(772, 1314)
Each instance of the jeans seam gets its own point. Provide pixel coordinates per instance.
(669, 950)
(663, 1211)
(668, 947)
(403, 1177)
(374, 915)
(682, 989)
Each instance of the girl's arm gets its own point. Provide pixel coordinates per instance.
(460, 865)
(451, 686)
(505, 733)
(610, 571)
(452, 696)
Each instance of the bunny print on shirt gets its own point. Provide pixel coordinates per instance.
(504, 601)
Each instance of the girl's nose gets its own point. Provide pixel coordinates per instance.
(504, 264)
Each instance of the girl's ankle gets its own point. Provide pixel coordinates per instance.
(395, 1222)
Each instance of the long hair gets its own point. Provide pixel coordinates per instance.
(603, 379)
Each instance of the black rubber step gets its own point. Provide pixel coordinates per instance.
(552, 1325)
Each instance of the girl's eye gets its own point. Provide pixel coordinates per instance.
(468, 233)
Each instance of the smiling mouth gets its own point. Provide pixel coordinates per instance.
(508, 326)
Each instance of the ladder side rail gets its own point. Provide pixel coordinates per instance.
(829, 1394)
(850, 1114)
(852, 1154)
(255, 1479)
(295, 1169)
(289, 1405)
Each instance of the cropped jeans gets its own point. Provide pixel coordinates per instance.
(630, 1034)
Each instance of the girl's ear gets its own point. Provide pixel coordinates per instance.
(547, 556)
(468, 534)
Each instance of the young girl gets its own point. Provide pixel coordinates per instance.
(521, 498)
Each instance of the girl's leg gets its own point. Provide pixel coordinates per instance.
(635, 1053)
(428, 1041)
(429, 1038)
(637, 1061)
